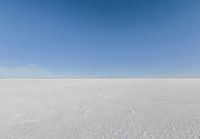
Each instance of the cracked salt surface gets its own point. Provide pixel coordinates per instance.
(100, 109)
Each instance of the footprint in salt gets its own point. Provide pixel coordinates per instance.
(131, 112)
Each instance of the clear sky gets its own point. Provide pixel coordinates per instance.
(99, 38)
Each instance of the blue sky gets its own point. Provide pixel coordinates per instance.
(100, 38)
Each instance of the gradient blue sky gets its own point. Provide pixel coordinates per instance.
(99, 38)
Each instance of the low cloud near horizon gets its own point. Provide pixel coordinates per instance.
(27, 71)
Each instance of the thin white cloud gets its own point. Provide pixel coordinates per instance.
(25, 72)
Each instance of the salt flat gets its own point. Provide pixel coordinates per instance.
(99, 109)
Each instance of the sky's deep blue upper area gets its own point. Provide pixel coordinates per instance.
(100, 38)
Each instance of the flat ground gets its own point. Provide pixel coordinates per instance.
(100, 109)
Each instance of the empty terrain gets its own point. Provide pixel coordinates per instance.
(99, 109)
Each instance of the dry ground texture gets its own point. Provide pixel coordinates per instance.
(99, 109)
